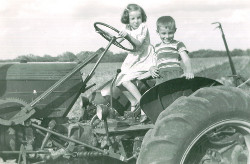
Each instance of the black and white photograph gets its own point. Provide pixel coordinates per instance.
(124, 82)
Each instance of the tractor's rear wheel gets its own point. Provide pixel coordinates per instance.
(212, 126)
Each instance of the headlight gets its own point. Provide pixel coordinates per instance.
(102, 111)
(85, 102)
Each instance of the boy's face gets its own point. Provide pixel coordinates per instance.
(166, 35)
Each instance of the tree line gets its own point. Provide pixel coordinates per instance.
(116, 57)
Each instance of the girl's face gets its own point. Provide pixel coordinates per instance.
(135, 19)
(166, 35)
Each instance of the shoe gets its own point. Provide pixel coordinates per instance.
(143, 118)
(137, 110)
(128, 114)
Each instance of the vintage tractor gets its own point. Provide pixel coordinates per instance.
(197, 121)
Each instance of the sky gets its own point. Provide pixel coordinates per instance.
(52, 27)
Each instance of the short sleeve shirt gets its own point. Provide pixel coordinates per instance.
(168, 55)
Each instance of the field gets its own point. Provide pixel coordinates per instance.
(213, 68)
(106, 71)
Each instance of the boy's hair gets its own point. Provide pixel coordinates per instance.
(166, 22)
(132, 7)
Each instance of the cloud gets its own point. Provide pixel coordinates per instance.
(52, 27)
(238, 16)
(207, 6)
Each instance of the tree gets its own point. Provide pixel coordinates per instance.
(237, 52)
(67, 57)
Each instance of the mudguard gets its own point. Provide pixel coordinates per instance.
(158, 98)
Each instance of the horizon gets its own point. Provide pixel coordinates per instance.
(115, 53)
(46, 27)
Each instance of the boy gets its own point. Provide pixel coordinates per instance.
(168, 54)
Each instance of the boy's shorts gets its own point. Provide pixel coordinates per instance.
(168, 74)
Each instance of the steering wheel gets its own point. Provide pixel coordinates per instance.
(108, 36)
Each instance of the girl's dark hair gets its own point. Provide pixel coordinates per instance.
(132, 7)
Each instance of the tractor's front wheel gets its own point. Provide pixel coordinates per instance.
(212, 126)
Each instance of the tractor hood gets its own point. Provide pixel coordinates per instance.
(26, 81)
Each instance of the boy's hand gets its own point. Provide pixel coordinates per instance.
(154, 71)
(123, 33)
(188, 75)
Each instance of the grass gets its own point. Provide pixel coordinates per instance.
(106, 71)
(223, 72)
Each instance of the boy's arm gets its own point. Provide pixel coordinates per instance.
(154, 59)
(187, 63)
(154, 71)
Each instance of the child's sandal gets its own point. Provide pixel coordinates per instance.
(133, 106)
(137, 110)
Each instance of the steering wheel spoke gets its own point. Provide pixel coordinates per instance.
(109, 36)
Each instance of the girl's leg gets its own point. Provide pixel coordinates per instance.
(132, 89)
(134, 92)
(131, 98)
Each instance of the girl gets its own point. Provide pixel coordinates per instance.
(138, 62)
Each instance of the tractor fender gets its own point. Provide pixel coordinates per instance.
(158, 98)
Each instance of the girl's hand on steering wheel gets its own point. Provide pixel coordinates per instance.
(123, 33)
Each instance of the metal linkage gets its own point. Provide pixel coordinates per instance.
(89, 154)
(52, 124)
(99, 152)
(235, 76)
(67, 138)
(26, 151)
(111, 87)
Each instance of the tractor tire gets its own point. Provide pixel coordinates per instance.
(188, 120)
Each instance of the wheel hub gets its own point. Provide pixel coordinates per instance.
(224, 144)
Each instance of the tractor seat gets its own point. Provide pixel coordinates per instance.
(145, 78)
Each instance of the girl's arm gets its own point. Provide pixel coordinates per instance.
(138, 40)
(187, 63)
(135, 41)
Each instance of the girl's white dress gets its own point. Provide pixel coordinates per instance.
(138, 62)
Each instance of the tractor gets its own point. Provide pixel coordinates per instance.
(197, 121)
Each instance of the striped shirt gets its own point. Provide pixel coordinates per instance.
(168, 55)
